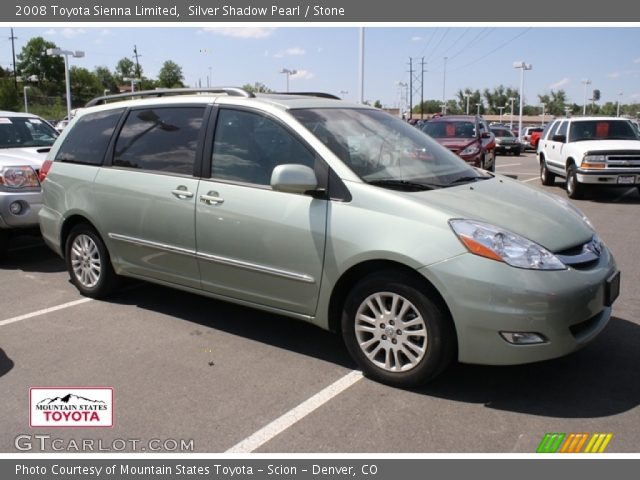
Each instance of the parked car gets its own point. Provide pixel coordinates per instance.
(526, 137)
(329, 212)
(506, 141)
(467, 136)
(590, 152)
(25, 140)
(534, 139)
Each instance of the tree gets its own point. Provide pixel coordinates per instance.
(33, 61)
(428, 106)
(8, 95)
(499, 97)
(377, 104)
(555, 102)
(474, 98)
(106, 79)
(170, 75)
(84, 86)
(257, 87)
(125, 68)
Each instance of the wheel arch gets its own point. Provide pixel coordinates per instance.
(69, 224)
(359, 271)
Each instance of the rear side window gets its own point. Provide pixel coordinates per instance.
(160, 139)
(562, 129)
(89, 138)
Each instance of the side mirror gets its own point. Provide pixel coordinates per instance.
(485, 135)
(293, 178)
(559, 138)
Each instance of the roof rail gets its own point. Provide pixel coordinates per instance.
(310, 94)
(162, 92)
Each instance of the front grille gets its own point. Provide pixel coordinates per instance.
(581, 256)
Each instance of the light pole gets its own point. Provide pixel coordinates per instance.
(511, 99)
(543, 107)
(444, 80)
(210, 78)
(478, 105)
(618, 106)
(133, 81)
(65, 54)
(501, 109)
(566, 111)
(288, 72)
(467, 95)
(584, 105)
(26, 104)
(522, 66)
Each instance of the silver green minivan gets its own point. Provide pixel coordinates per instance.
(329, 212)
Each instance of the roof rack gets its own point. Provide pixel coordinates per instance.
(310, 94)
(162, 92)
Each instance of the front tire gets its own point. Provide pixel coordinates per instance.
(4, 243)
(396, 330)
(88, 262)
(575, 189)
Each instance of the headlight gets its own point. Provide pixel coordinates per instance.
(569, 206)
(18, 177)
(470, 150)
(498, 244)
(594, 158)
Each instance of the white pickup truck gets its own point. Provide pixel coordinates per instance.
(590, 151)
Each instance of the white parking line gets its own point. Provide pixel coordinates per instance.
(508, 165)
(530, 179)
(262, 436)
(44, 311)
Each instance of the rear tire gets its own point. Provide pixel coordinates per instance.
(546, 177)
(88, 262)
(575, 189)
(4, 244)
(396, 330)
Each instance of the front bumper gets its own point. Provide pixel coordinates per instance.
(30, 201)
(486, 297)
(608, 177)
(509, 148)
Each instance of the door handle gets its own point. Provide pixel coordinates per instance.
(182, 192)
(212, 198)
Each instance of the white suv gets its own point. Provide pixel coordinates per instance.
(590, 150)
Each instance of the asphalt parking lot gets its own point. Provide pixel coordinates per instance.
(185, 367)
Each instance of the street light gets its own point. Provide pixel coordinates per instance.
(133, 81)
(522, 66)
(444, 80)
(65, 54)
(288, 72)
(511, 99)
(618, 107)
(543, 107)
(584, 105)
(26, 105)
(478, 105)
(467, 95)
(501, 109)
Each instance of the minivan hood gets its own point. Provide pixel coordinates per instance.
(455, 143)
(506, 203)
(31, 156)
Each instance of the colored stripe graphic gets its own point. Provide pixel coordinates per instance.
(573, 442)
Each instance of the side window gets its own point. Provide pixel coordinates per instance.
(160, 139)
(562, 129)
(89, 138)
(552, 130)
(247, 147)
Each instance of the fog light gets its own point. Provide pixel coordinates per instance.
(523, 338)
(15, 208)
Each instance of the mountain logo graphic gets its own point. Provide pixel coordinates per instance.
(71, 407)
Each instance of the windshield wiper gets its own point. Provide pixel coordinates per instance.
(467, 179)
(404, 185)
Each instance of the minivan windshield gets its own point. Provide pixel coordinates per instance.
(385, 151)
(601, 130)
(17, 132)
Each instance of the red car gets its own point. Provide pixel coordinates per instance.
(467, 136)
(535, 138)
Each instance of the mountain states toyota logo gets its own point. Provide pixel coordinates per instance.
(71, 407)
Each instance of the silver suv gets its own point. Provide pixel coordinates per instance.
(328, 212)
(25, 139)
(590, 152)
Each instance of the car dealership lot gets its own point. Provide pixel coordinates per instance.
(185, 367)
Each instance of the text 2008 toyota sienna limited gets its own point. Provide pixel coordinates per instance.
(328, 212)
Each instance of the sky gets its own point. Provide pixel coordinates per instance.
(327, 58)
